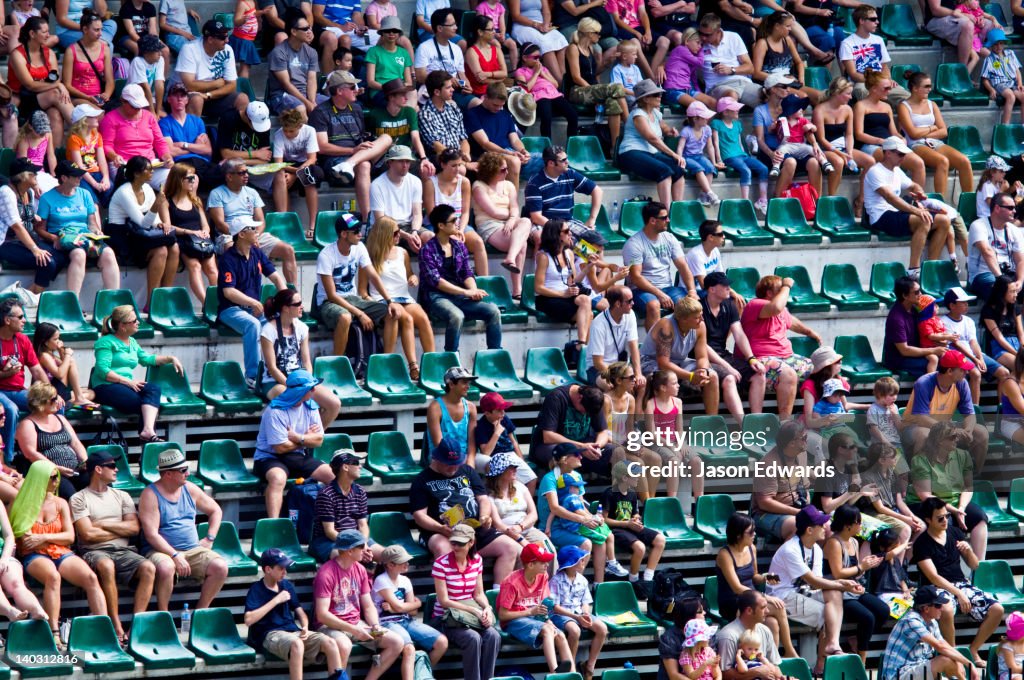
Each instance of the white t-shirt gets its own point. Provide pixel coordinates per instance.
(295, 150)
(608, 338)
(879, 176)
(194, 59)
(1003, 243)
(656, 257)
(727, 52)
(865, 53)
(985, 192)
(396, 201)
(141, 71)
(342, 268)
(965, 327)
(790, 562)
(702, 264)
(440, 58)
(289, 351)
(384, 582)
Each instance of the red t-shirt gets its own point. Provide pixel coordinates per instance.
(21, 347)
(930, 327)
(344, 587)
(517, 595)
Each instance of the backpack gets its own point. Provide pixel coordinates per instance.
(670, 589)
(302, 508)
(121, 67)
(421, 667)
(808, 197)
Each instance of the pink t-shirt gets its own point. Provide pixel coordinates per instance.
(461, 584)
(494, 12)
(695, 659)
(139, 137)
(627, 10)
(767, 336)
(796, 131)
(344, 587)
(542, 89)
(517, 595)
(375, 9)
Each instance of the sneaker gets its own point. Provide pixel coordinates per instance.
(752, 147)
(774, 171)
(761, 206)
(713, 198)
(828, 167)
(914, 274)
(613, 568)
(251, 383)
(346, 171)
(705, 200)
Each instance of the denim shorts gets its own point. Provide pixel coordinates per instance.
(997, 349)
(561, 621)
(674, 95)
(695, 164)
(414, 632)
(526, 630)
(562, 538)
(29, 559)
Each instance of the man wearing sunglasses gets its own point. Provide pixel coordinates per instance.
(293, 66)
(207, 67)
(915, 649)
(865, 50)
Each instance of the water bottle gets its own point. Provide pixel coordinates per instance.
(599, 119)
(615, 212)
(186, 620)
(628, 665)
(600, 512)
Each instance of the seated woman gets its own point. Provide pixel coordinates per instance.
(18, 201)
(513, 511)
(873, 122)
(450, 186)
(818, 18)
(775, 52)
(884, 463)
(34, 78)
(284, 343)
(776, 88)
(485, 63)
(833, 116)
(41, 523)
(643, 150)
(1001, 321)
(45, 434)
(531, 22)
(584, 63)
(183, 211)
(498, 220)
(68, 15)
(10, 480)
(113, 379)
(560, 293)
(88, 72)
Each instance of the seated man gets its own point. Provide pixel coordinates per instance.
(187, 140)
(492, 128)
(751, 613)
(17, 346)
(443, 53)
(864, 50)
(293, 66)
(342, 505)
(245, 136)
(614, 337)
(339, 22)
(722, 321)
(441, 122)
(995, 245)
(915, 648)
(901, 344)
(574, 414)
(207, 68)
(550, 194)
(400, 122)
(959, 323)
(167, 512)
(399, 195)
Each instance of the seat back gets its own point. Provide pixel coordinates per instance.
(995, 578)
(390, 452)
(883, 276)
(786, 213)
(545, 366)
(215, 627)
(952, 79)
(533, 143)
(221, 459)
(898, 21)
(938, 276)
(1006, 138)
(841, 279)
(685, 218)
(150, 457)
(817, 77)
(844, 667)
(744, 280)
(497, 292)
(323, 231)
(172, 306)
(92, 636)
(711, 595)
(737, 214)
(856, 351)
(335, 371)
(967, 204)
(664, 512)
(581, 213)
(107, 299)
(30, 638)
(835, 213)
(615, 597)
(761, 425)
(713, 511)
(332, 442)
(62, 309)
(631, 220)
(224, 380)
(796, 668)
(803, 345)
(493, 363)
(966, 140)
(802, 286)
(275, 533)
(585, 153)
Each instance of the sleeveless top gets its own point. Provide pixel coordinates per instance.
(178, 519)
(682, 345)
(778, 62)
(185, 219)
(850, 562)
(877, 124)
(455, 431)
(56, 446)
(617, 422)
(38, 72)
(512, 510)
(37, 154)
(250, 25)
(82, 74)
(51, 550)
(392, 275)
(922, 120)
(726, 598)
(453, 199)
(588, 71)
(485, 65)
(665, 419)
(554, 278)
(499, 200)
(1007, 407)
(835, 131)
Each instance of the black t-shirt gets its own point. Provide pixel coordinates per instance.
(453, 498)
(139, 17)
(235, 134)
(1005, 322)
(558, 415)
(946, 558)
(620, 506)
(670, 646)
(718, 328)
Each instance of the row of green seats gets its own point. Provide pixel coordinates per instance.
(840, 285)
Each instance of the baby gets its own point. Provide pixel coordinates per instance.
(796, 135)
(749, 655)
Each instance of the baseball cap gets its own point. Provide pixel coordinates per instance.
(997, 162)
(448, 452)
(492, 401)
(275, 557)
(83, 111)
(98, 459)
(242, 222)
(833, 385)
(348, 539)
(700, 109)
(462, 534)
(40, 122)
(810, 516)
(395, 554)
(568, 480)
(178, 89)
(66, 168)
(20, 165)
(566, 449)
(716, 279)
(346, 457)
(794, 103)
(347, 222)
(931, 595)
(728, 103)
(955, 359)
(259, 116)
(458, 373)
(776, 79)
(215, 28)
(594, 238)
(134, 95)
(535, 553)
(341, 78)
(895, 143)
(957, 294)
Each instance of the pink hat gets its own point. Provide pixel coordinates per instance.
(699, 109)
(728, 103)
(1015, 626)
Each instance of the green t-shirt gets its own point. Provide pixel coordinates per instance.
(114, 355)
(729, 138)
(948, 480)
(390, 65)
(400, 126)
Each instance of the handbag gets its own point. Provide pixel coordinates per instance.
(201, 246)
(110, 435)
(807, 195)
(458, 618)
(151, 232)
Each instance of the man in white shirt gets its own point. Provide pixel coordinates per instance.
(864, 50)
(705, 257)
(889, 213)
(994, 246)
(441, 53)
(207, 67)
(727, 65)
(614, 337)
(399, 195)
(957, 321)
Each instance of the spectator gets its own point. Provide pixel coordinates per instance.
(45, 434)
(537, 80)
(614, 337)
(387, 60)
(643, 149)
(531, 23)
(174, 23)
(1012, 403)
(776, 500)
(901, 348)
(586, 63)
(618, 381)
(145, 47)
(339, 21)
(776, 88)
(575, 415)
(496, 435)
(295, 144)
(865, 50)
(882, 471)
(245, 135)
(873, 123)
(722, 320)
(458, 581)
(450, 294)
(958, 323)
(752, 611)
(207, 68)
(492, 128)
(513, 511)
(397, 603)
(441, 120)
(498, 222)
(628, 529)
(944, 21)
(450, 186)
(822, 22)
(85, 149)
(37, 86)
(727, 66)
(60, 367)
(87, 73)
(16, 346)
(293, 67)
(775, 30)
(239, 289)
(342, 505)
(107, 523)
(444, 497)
(995, 247)
(16, 243)
(938, 553)
(399, 195)
(400, 122)
(277, 623)
(68, 15)
(915, 645)
(132, 130)
(1000, 74)
(451, 416)
(186, 138)
(550, 194)
(670, 643)
(13, 579)
(442, 54)
(650, 255)
(834, 118)
(571, 613)
(559, 284)
(183, 211)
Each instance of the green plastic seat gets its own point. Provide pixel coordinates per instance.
(713, 511)
(758, 427)
(7, 156)
(817, 77)
(222, 467)
(996, 579)
(714, 612)
(432, 368)
(835, 219)
(125, 480)
(61, 308)
(340, 379)
(229, 547)
(684, 220)
(387, 378)
(796, 668)
(176, 396)
(587, 156)
(954, 83)
(170, 310)
(390, 458)
(33, 639)
(985, 496)
(803, 345)
(223, 387)
(900, 26)
(561, 676)
(967, 206)
(844, 667)
(546, 369)
(497, 374)
(739, 221)
(339, 440)
(280, 533)
(859, 363)
(94, 641)
(210, 314)
(883, 276)
(533, 143)
(288, 227)
(529, 301)
(840, 283)
(631, 220)
(603, 226)
(938, 276)
(744, 281)
(621, 674)
(154, 641)
(709, 437)
(966, 140)
(148, 471)
(614, 598)
(214, 637)
(1016, 502)
(244, 86)
(323, 231)
(899, 74)
(391, 528)
(996, 10)
(1008, 140)
(105, 302)
(666, 515)
(802, 297)
(786, 220)
(498, 292)
(466, 22)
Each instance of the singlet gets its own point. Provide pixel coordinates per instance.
(185, 219)
(37, 154)
(682, 345)
(1004, 671)
(1007, 407)
(453, 199)
(835, 131)
(250, 25)
(51, 550)
(877, 124)
(553, 276)
(617, 422)
(921, 120)
(392, 275)
(82, 74)
(178, 519)
(455, 431)
(778, 62)
(588, 71)
(665, 419)
(56, 446)
(38, 72)
(726, 598)
(851, 562)
(485, 65)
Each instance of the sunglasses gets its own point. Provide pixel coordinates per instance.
(191, 178)
(306, 28)
(662, 218)
(109, 466)
(54, 478)
(504, 169)
(54, 400)
(870, 18)
(719, 234)
(240, 172)
(295, 304)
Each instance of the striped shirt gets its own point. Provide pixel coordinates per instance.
(461, 584)
(332, 505)
(554, 198)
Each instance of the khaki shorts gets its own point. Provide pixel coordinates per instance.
(945, 28)
(338, 635)
(268, 242)
(198, 559)
(807, 610)
(279, 643)
(126, 561)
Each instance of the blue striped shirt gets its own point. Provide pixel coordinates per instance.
(554, 198)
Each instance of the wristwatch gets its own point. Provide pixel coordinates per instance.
(184, 145)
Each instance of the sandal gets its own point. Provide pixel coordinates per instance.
(414, 371)
(155, 439)
(310, 234)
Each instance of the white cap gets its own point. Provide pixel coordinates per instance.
(240, 223)
(775, 79)
(84, 111)
(259, 116)
(895, 143)
(134, 95)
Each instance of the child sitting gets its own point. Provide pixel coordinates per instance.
(683, 63)
(696, 147)
(930, 328)
(342, 64)
(496, 433)
(698, 660)
(35, 143)
(564, 531)
(396, 604)
(535, 78)
(572, 601)
(981, 22)
(727, 131)
(749, 655)
(884, 421)
(833, 398)
(889, 580)
(623, 507)
(1000, 74)
(295, 142)
(626, 72)
(992, 182)
(147, 71)
(796, 135)
(1010, 660)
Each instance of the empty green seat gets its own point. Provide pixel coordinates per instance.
(61, 308)
(280, 533)
(996, 579)
(340, 379)
(154, 641)
(620, 674)
(900, 26)
(229, 547)
(817, 77)
(387, 378)
(759, 431)
(787, 221)
(28, 642)
(125, 480)
(105, 302)
(339, 440)
(684, 220)
(883, 276)
(797, 668)
(845, 667)
(954, 83)
(498, 293)
(1016, 501)
(176, 396)
(529, 301)
(223, 387)
(222, 466)
(666, 515)
(859, 363)
(840, 283)
(94, 641)
(432, 368)
(323, 231)
(214, 637)
(603, 226)
(713, 511)
(390, 458)
(561, 676)
(803, 345)
(615, 598)
(966, 140)
(967, 206)
(1008, 140)
(497, 374)
(709, 437)
(6, 158)
(587, 156)
(631, 220)
(546, 369)
(938, 276)
(835, 219)
(391, 528)
(287, 227)
(739, 221)
(714, 612)
(534, 143)
(985, 496)
(744, 281)
(170, 310)
(802, 297)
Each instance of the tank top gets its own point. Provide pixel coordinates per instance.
(617, 422)
(185, 219)
(453, 199)
(455, 431)
(850, 562)
(682, 345)
(921, 120)
(501, 201)
(778, 62)
(37, 154)
(56, 446)
(178, 519)
(588, 71)
(392, 275)
(82, 73)
(665, 419)
(877, 124)
(1007, 407)
(51, 550)
(249, 26)
(485, 65)
(555, 277)
(726, 598)
(835, 131)
(38, 72)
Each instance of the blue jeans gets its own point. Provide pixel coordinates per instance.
(677, 293)
(695, 164)
(981, 284)
(15, 253)
(126, 400)
(68, 37)
(99, 198)
(748, 167)
(825, 40)
(652, 167)
(453, 312)
(175, 42)
(12, 402)
(241, 321)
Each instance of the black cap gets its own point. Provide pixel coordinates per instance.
(347, 222)
(215, 28)
(566, 449)
(20, 165)
(931, 595)
(716, 279)
(98, 459)
(594, 238)
(66, 168)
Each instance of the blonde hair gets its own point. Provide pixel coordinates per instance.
(81, 128)
(23, 132)
(750, 637)
(118, 316)
(40, 394)
(885, 387)
(586, 25)
(686, 308)
(629, 46)
(689, 34)
(837, 85)
(380, 240)
(872, 78)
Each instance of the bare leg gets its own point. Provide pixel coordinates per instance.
(105, 572)
(143, 590)
(164, 583)
(109, 270)
(216, 574)
(76, 271)
(273, 495)
(149, 414)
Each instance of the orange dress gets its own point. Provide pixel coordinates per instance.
(51, 550)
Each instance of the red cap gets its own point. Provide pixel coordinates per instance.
(954, 359)
(492, 401)
(534, 553)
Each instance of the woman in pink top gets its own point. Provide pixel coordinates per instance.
(683, 62)
(766, 321)
(132, 130)
(535, 78)
(88, 72)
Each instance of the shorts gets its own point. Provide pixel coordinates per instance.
(770, 523)
(674, 96)
(330, 313)
(945, 28)
(559, 309)
(281, 102)
(29, 559)
(198, 558)
(893, 223)
(642, 297)
(414, 632)
(745, 370)
(773, 369)
(1009, 424)
(279, 643)
(919, 670)
(624, 538)
(126, 561)
(980, 601)
(294, 463)
(561, 621)
(339, 635)
(374, 309)
(525, 630)
(809, 610)
(217, 108)
(562, 538)
(996, 350)
(267, 242)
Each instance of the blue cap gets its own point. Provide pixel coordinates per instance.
(275, 557)
(570, 555)
(570, 479)
(299, 384)
(348, 539)
(448, 452)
